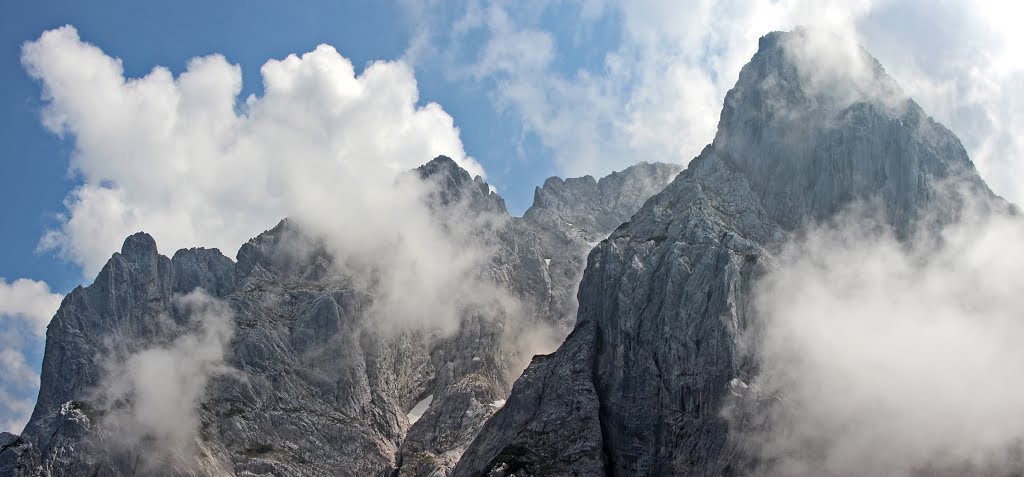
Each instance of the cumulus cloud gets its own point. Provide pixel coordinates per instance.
(183, 159)
(178, 158)
(663, 68)
(16, 398)
(26, 307)
(152, 396)
(883, 357)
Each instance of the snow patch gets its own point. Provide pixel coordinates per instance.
(737, 387)
(417, 411)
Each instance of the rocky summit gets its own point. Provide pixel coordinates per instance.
(304, 381)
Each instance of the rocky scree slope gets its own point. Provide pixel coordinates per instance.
(310, 387)
(639, 386)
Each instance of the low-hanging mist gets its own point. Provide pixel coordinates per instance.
(889, 357)
(150, 399)
(424, 267)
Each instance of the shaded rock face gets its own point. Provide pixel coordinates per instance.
(640, 386)
(308, 385)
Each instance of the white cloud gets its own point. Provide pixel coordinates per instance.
(28, 301)
(180, 159)
(17, 372)
(14, 412)
(26, 307)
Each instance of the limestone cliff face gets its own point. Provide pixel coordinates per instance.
(308, 384)
(639, 387)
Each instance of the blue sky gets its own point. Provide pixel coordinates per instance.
(531, 89)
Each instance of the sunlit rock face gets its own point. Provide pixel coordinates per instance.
(276, 363)
(643, 384)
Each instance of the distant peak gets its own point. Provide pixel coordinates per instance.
(439, 164)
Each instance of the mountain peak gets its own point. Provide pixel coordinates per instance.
(815, 123)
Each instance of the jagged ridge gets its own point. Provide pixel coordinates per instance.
(315, 389)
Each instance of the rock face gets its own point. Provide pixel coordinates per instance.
(639, 387)
(307, 385)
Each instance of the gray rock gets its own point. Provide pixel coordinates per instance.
(552, 417)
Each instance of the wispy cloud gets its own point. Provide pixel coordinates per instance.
(151, 397)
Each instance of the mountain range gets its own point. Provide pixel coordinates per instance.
(279, 362)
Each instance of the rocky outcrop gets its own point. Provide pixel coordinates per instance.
(657, 351)
(6, 439)
(308, 384)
